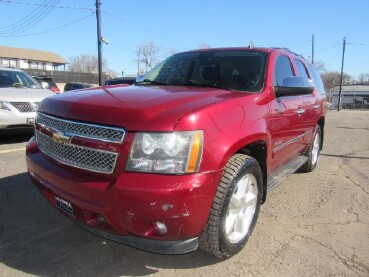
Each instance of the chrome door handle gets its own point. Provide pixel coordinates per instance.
(316, 106)
(300, 111)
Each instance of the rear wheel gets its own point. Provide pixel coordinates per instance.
(313, 152)
(235, 208)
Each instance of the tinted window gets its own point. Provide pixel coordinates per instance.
(301, 68)
(236, 70)
(283, 70)
(317, 80)
(10, 78)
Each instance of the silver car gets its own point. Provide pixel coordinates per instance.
(19, 97)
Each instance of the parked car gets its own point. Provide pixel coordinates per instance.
(186, 157)
(19, 98)
(75, 86)
(121, 80)
(52, 85)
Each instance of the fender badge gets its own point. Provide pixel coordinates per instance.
(61, 138)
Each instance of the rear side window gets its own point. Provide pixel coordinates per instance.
(301, 69)
(317, 80)
(283, 70)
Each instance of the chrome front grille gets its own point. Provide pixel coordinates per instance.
(77, 156)
(99, 132)
(24, 107)
(88, 158)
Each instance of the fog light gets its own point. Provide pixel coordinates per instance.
(161, 228)
(101, 219)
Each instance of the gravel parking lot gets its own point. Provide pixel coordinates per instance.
(314, 224)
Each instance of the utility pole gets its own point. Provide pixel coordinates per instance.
(99, 53)
(343, 59)
(312, 49)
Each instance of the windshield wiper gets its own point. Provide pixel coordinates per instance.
(151, 82)
(196, 83)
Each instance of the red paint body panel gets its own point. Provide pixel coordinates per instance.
(136, 108)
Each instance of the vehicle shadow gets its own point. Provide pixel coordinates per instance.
(16, 138)
(36, 239)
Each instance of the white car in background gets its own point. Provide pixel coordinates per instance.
(19, 97)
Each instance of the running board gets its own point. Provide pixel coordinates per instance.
(282, 173)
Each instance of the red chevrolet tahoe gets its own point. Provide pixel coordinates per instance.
(185, 157)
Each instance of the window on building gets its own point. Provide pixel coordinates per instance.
(6, 63)
(13, 63)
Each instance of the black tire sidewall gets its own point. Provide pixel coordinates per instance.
(227, 247)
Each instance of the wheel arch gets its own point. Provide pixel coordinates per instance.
(258, 150)
(321, 123)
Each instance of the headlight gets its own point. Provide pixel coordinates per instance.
(166, 153)
(3, 106)
(35, 106)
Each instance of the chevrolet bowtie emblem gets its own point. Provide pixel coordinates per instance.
(61, 138)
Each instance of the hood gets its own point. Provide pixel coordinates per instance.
(23, 94)
(136, 108)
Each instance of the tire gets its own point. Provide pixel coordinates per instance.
(235, 209)
(313, 152)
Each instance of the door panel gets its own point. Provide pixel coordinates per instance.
(287, 129)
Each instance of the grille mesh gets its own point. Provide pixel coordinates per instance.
(24, 107)
(81, 157)
(82, 129)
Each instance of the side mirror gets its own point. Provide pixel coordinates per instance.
(45, 85)
(294, 86)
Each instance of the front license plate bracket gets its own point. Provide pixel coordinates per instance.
(64, 205)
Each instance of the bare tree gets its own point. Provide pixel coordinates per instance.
(204, 45)
(363, 78)
(320, 66)
(172, 51)
(139, 51)
(86, 63)
(147, 54)
(332, 79)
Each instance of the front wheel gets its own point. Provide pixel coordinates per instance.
(235, 208)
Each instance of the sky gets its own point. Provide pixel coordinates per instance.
(69, 28)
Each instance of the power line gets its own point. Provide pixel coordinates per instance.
(324, 49)
(146, 30)
(50, 30)
(29, 23)
(22, 19)
(43, 5)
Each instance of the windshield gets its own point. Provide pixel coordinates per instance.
(234, 70)
(17, 79)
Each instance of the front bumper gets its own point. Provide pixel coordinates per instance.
(128, 208)
(14, 119)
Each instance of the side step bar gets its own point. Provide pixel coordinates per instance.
(282, 173)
